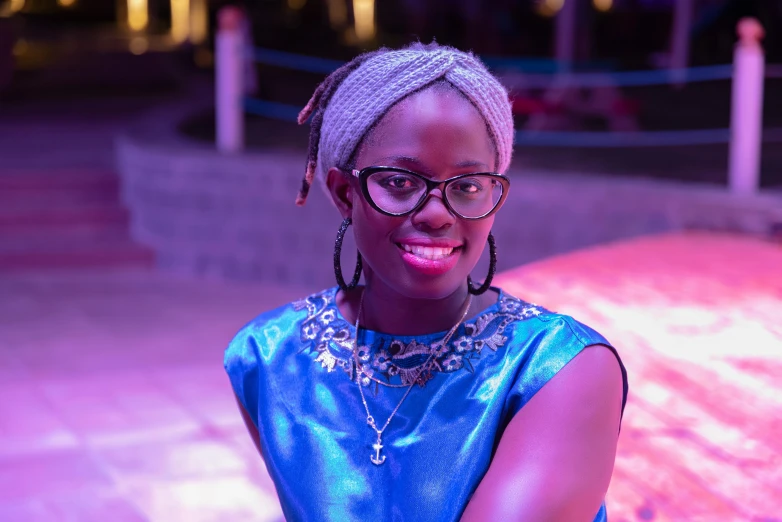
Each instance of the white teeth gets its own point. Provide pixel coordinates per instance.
(428, 252)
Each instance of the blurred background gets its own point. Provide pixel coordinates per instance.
(55, 55)
(149, 159)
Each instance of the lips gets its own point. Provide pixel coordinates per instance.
(430, 259)
(427, 252)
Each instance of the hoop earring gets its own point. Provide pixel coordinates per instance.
(337, 263)
(492, 270)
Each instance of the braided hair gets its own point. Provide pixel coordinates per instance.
(315, 108)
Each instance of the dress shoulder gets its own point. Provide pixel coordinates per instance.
(258, 344)
(546, 344)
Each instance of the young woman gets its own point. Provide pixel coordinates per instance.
(423, 395)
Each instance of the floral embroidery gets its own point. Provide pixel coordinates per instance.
(309, 331)
(452, 362)
(382, 360)
(322, 330)
(325, 333)
(463, 344)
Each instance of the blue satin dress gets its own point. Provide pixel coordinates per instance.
(294, 371)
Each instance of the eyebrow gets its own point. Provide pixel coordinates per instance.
(416, 161)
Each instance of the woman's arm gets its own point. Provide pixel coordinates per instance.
(556, 456)
(250, 426)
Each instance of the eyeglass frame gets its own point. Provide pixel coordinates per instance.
(363, 175)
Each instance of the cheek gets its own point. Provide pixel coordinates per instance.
(372, 229)
(478, 236)
(480, 229)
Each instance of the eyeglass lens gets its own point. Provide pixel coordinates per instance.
(398, 193)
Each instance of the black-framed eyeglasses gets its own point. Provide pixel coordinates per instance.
(395, 191)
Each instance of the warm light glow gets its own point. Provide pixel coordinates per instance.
(603, 5)
(139, 45)
(180, 20)
(199, 21)
(138, 15)
(338, 14)
(66, 3)
(296, 4)
(364, 15)
(16, 5)
(550, 7)
(20, 47)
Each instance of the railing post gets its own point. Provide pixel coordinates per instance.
(680, 41)
(229, 80)
(566, 29)
(746, 125)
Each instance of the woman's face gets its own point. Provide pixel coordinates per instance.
(439, 134)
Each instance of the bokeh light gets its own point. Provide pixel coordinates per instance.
(180, 20)
(138, 15)
(364, 14)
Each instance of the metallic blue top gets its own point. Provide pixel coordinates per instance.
(294, 372)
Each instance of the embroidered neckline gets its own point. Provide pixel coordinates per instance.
(326, 334)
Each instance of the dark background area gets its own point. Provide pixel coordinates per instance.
(58, 59)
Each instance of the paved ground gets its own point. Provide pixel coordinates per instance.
(116, 407)
(696, 319)
(115, 402)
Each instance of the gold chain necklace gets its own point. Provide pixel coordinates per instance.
(377, 458)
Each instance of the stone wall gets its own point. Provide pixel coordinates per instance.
(233, 217)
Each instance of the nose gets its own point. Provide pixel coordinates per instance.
(433, 213)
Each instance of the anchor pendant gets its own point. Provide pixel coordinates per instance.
(377, 459)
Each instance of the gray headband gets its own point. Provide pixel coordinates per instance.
(386, 78)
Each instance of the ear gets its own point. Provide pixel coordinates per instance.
(341, 190)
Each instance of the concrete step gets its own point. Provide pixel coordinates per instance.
(49, 180)
(14, 203)
(65, 219)
(40, 254)
(15, 219)
(20, 190)
(95, 231)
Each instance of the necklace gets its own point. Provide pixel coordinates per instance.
(377, 458)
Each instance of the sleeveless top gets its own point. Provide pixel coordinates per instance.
(293, 369)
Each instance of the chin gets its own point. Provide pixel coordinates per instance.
(433, 288)
(428, 274)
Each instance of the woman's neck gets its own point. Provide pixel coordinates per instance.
(389, 312)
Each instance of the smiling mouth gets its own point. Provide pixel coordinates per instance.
(431, 253)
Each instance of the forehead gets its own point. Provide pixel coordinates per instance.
(438, 126)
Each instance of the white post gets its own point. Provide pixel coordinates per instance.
(680, 40)
(229, 80)
(566, 35)
(746, 108)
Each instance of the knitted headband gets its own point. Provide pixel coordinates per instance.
(351, 101)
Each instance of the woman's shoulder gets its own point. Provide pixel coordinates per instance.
(543, 342)
(535, 320)
(261, 336)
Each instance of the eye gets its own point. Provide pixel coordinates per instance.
(468, 186)
(398, 181)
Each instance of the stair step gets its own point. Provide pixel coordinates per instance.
(10, 202)
(65, 219)
(64, 216)
(45, 181)
(36, 255)
(95, 231)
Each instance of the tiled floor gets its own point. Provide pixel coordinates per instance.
(115, 407)
(114, 401)
(698, 321)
